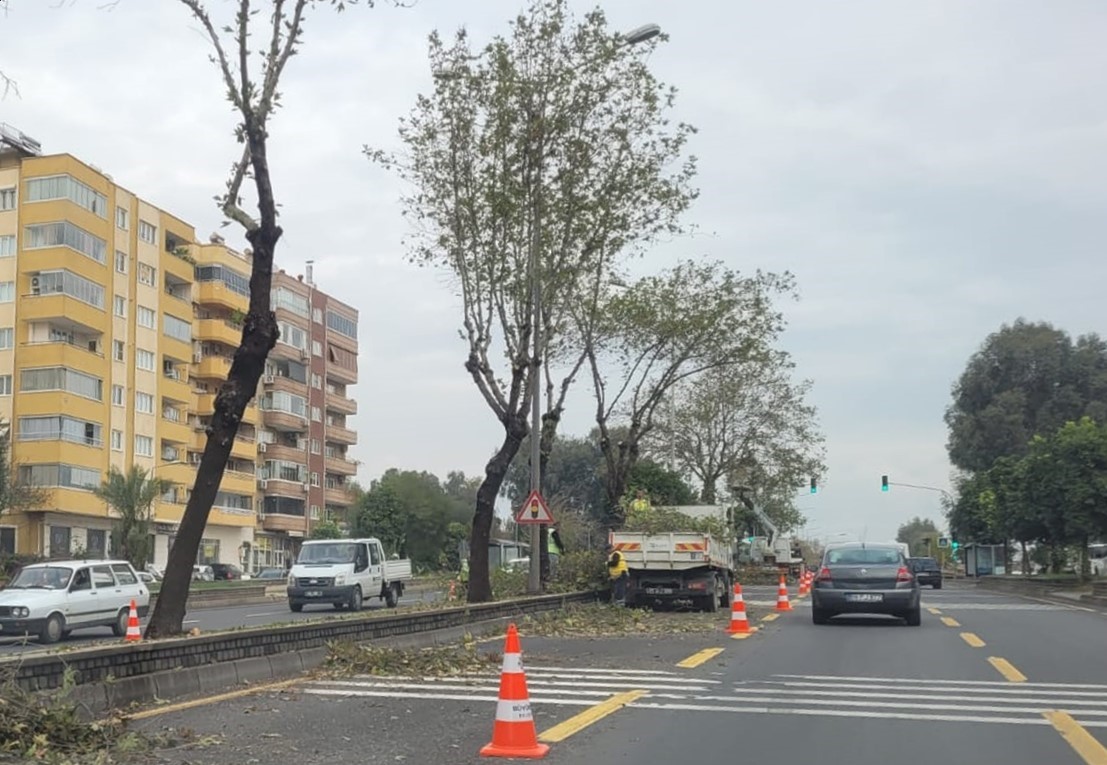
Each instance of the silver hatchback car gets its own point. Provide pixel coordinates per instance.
(860, 578)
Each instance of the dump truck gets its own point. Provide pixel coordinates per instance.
(679, 567)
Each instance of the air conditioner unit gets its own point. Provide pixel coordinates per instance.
(194, 458)
(303, 354)
(262, 483)
(305, 486)
(35, 285)
(197, 357)
(270, 379)
(261, 446)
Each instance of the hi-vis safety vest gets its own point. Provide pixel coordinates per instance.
(616, 565)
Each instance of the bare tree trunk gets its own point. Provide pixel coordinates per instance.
(480, 581)
(259, 335)
(1025, 559)
(707, 496)
(550, 422)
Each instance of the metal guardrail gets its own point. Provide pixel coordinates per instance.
(44, 671)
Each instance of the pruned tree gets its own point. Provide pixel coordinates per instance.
(663, 330)
(251, 74)
(16, 494)
(538, 162)
(132, 495)
(749, 410)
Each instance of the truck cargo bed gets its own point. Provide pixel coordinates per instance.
(672, 551)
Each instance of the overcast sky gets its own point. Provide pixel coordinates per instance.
(928, 171)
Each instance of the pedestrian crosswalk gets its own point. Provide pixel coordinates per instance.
(830, 696)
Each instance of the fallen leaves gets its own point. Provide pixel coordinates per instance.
(600, 620)
(439, 661)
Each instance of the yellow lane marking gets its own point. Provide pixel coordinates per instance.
(193, 703)
(699, 658)
(1007, 669)
(743, 635)
(949, 621)
(577, 723)
(769, 617)
(972, 639)
(1089, 749)
(934, 611)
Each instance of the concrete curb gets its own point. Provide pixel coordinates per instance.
(97, 700)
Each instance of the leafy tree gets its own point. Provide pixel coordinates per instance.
(746, 411)
(15, 494)
(326, 530)
(379, 513)
(665, 329)
(1027, 379)
(662, 485)
(915, 534)
(132, 495)
(572, 475)
(252, 89)
(539, 161)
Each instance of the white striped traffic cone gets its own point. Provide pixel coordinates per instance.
(513, 733)
(739, 623)
(782, 603)
(133, 632)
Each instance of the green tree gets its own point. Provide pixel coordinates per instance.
(15, 494)
(326, 530)
(132, 495)
(662, 485)
(1027, 379)
(554, 147)
(663, 330)
(915, 534)
(379, 513)
(572, 475)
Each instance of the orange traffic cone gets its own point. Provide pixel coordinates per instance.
(133, 632)
(803, 584)
(453, 591)
(513, 733)
(739, 623)
(782, 603)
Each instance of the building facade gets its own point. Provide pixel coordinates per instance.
(116, 329)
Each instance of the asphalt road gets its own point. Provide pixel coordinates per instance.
(214, 619)
(987, 679)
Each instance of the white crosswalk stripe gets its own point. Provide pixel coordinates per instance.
(966, 701)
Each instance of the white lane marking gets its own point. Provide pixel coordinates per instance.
(267, 613)
(868, 688)
(444, 697)
(807, 690)
(599, 671)
(922, 681)
(461, 681)
(969, 705)
(839, 713)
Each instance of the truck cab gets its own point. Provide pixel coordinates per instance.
(342, 572)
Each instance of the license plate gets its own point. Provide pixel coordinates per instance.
(313, 594)
(660, 590)
(865, 597)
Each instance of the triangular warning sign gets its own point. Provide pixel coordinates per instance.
(534, 510)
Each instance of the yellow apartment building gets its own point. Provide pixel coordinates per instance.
(116, 329)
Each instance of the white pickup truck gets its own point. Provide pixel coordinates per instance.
(343, 572)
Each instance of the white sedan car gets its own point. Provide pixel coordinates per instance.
(50, 600)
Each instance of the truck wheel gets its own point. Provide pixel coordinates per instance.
(354, 603)
(724, 598)
(711, 602)
(390, 597)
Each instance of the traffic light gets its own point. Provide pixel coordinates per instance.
(955, 545)
(884, 483)
(814, 486)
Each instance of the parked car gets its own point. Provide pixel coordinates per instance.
(868, 579)
(50, 600)
(926, 571)
(227, 572)
(203, 574)
(273, 573)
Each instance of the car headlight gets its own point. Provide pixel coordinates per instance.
(21, 612)
(340, 580)
(291, 580)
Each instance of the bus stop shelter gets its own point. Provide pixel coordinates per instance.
(985, 560)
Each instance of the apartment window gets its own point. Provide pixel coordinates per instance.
(280, 470)
(144, 360)
(146, 318)
(315, 512)
(7, 198)
(117, 440)
(147, 232)
(316, 348)
(7, 292)
(231, 279)
(68, 283)
(227, 501)
(342, 325)
(144, 446)
(316, 414)
(5, 385)
(117, 395)
(7, 540)
(121, 218)
(7, 338)
(59, 428)
(61, 378)
(63, 476)
(178, 329)
(290, 301)
(119, 306)
(314, 479)
(67, 187)
(7, 246)
(315, 446)
(121, 262)
(65, 234)
(292, 335)
(281, 401)
(147, 274)
(144, 403)
(117, 350)
(317, 381)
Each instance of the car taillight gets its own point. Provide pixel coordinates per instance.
(824, 574)
(903, 575)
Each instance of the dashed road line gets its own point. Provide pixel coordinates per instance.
(1082, 742)
(972, 639)
(700, 657)
(1007, 669)
(949, 621)
(579, 722)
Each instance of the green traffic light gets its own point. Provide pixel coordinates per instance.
(884, 483)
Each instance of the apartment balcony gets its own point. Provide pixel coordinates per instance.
(179, 267)
(341, 374)
(286, 384)
(340, 404)
(283, 421)
(342, 341)
(232, 516)
(285, 523)
(288, 352)
(175, 349)
(62, 353)
(212, 368)
(244, 449)
(339, 496)
(177, 432)
(340, 435)
(60, 306)
(277, 488)
(341, 466)
(282, 452)
(238, 483)
(77, 451)
(217, 293)
(175, 386)
(218, 330)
